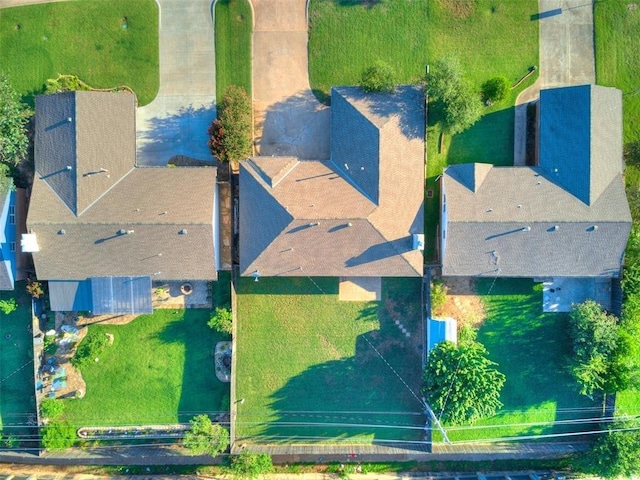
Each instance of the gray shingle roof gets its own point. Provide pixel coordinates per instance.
(327, 219)
(169, 212)
(534, 221)
(577, 128)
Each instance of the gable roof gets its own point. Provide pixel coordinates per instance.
(151, 221)
(579, 128)
(567, 217)
(353, 215)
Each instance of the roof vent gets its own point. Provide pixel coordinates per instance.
(489, 210)
(526, 229)
(519, 206)
(69, 167)
(592, 228)
(314, 224)
(349, 224)
(69, 119)
(61, 232)
(122, 231)
(29, 243)
(538, 182)
(182, 232)
(555, 228)
(163, 213)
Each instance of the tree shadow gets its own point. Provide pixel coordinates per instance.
(288, 286)
(406, 104)
(201, 391)
(183, 132)
(358, 3)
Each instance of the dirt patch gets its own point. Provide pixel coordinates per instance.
(632, 7)
(458, 8)
(462, 302)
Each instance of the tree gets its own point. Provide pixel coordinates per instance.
(594, 339)
(230, 134)
(250, 465)
(8, 306)
(438, 296)
(222, 320)
(14, 116)
(495, 89)
(615, 454)
(206, 438)
(379, 78)
(58, 436)
(461, 107)
(461, 384)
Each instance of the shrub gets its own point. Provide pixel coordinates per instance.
(495, 89)
(230, 135)
(615, 454)
(34, 288)
(14, 116)
(51, 408)
(89, 349)
(206, 438)
(65, 83)
(251, 465)
(8, 306)
(221, 320)
(379, 77)
(438, 296)
(58, 436)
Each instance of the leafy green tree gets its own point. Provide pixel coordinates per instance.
(230, 135)
(51, 408)
(249, 465)
(58, 436)
(461, 106)
(90, 348)
(615, 454)
(206, 438)
(8, 306)
(14, 116)
(594, 339)
(378, 78)
(461, 384)
(495, 89)
(221, 320)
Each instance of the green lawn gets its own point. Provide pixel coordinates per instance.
(159, 370)
(16, 363)
(617, 51)
(309, 372)
(233, 24)
(530, 348)
(83, 38)
(346, 37)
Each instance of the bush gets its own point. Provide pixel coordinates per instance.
(90, 348)
(51, 408)
(495, 89)
(251, 465)
(34, 288)
(206, 438)
(58, 436)
(614, 454)
(14, 116)
(379, 77)
(8, 306)
(221, 320)
(230, 135)
(438, 296)
(65, 83)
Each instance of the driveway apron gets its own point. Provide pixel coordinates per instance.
(176, 122)
(288, 120)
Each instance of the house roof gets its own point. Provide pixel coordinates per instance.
(150, 221)
(534, 221)
(353, 215)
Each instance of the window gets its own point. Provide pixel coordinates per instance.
(12, 246)
(12, 214)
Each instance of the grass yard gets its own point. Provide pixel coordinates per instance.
(347, 36)
(17, 404)
(159, 369)
(309, 371)
(233, 24)
(85, 38)
(530, 348)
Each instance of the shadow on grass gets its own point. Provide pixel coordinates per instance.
(201, 391)
(531, 349)
(289, 286)
(358, 3)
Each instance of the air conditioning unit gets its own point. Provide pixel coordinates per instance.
(29, 243)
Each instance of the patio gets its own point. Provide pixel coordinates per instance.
(558, 294)
(174, 295)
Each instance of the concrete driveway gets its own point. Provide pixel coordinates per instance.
(176, 122)
(566, 57)
(288, 118)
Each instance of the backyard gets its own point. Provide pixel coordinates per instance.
(107, 44)
(159, 370)
(17, 404)
(617, 50)
(530, 347)
(312, 366)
